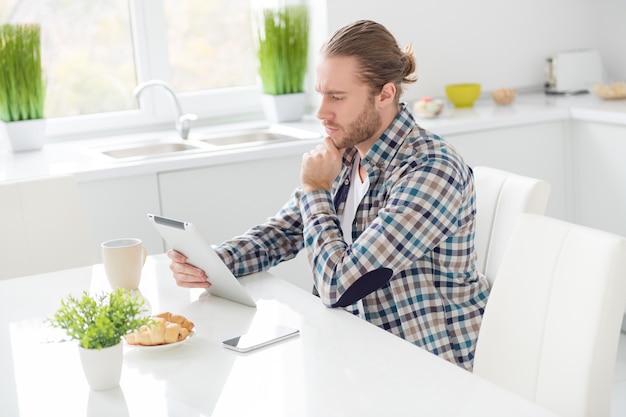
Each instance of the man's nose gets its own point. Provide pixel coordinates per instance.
(322, 112)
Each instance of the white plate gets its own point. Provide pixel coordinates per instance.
(162, 347)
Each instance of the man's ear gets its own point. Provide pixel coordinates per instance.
(387, 95)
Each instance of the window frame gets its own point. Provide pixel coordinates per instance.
(155, 112)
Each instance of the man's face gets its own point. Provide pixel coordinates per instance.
(348, 111)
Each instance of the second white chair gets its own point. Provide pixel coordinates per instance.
(551, 326)
(500, 197)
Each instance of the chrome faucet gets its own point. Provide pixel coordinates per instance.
(183, 121)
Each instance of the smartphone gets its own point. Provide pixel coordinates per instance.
(260, 337)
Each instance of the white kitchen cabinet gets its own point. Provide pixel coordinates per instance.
(226, 200)
(537, 150)
(598, 156)
(117, 208)
(600, 175)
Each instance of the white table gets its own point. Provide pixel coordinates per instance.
(340, 365)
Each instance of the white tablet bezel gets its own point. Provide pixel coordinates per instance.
(185, 238)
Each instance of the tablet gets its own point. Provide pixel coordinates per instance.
(183, 237)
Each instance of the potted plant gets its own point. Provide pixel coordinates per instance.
(22, 86)
(98, 323)
(283, 44)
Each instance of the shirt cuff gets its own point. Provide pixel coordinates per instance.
(315, 203)
(226, 256)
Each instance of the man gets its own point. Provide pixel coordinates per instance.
(386, 209)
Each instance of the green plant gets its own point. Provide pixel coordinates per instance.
(283, 44)
(22, 86)
(100, 321)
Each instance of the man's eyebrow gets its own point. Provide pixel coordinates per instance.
(331, 91)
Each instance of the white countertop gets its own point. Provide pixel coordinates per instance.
(339, 365)
(81, 159)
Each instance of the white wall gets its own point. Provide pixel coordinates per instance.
(494, 42)
(609, 21)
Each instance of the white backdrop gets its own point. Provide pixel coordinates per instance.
(498, 43)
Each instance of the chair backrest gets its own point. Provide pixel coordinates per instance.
(43, 227)
(500, 197)
(551, 326)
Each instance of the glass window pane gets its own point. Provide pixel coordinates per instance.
(87, 53)
(210, 44)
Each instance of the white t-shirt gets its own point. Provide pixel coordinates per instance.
(356, 192)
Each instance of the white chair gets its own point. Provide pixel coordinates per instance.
(551, 326)
(43, 227)
(500, 197)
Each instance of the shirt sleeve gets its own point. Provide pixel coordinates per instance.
(266, 245)
(421, 209)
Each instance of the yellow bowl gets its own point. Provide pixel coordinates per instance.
(463, 95)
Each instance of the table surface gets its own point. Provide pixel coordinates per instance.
(340, 365)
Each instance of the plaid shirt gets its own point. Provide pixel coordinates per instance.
(412, 261)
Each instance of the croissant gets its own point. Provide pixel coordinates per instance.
(160, 332)
(177, 318)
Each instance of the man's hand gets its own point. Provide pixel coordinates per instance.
(186, 275)
(320, 167)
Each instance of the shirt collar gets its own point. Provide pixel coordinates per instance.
(384, 149)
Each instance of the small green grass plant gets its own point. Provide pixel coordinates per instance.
(283, 45)
(100, 321)
(22, 86)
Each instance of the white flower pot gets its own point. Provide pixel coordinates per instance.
(284, 107)
(26, 135)
(102, 368)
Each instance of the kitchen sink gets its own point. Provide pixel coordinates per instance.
(254, 138)
(199, 142)
(148, 149)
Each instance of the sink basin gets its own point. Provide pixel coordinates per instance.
(251, 138)
(147, 150)
(257, 137)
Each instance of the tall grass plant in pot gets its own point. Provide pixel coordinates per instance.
(22, 86)
(98, 324)
(283, 45)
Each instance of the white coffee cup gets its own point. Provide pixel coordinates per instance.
(123, 260)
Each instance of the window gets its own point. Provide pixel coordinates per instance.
(87, 53)
(207, 51)
(95, 53)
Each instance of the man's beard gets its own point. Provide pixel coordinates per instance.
(363, 128)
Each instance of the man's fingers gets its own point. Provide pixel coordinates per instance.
(176, 256)
(193, 284)
(190, 280)
(193, 273)
(186, 276)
